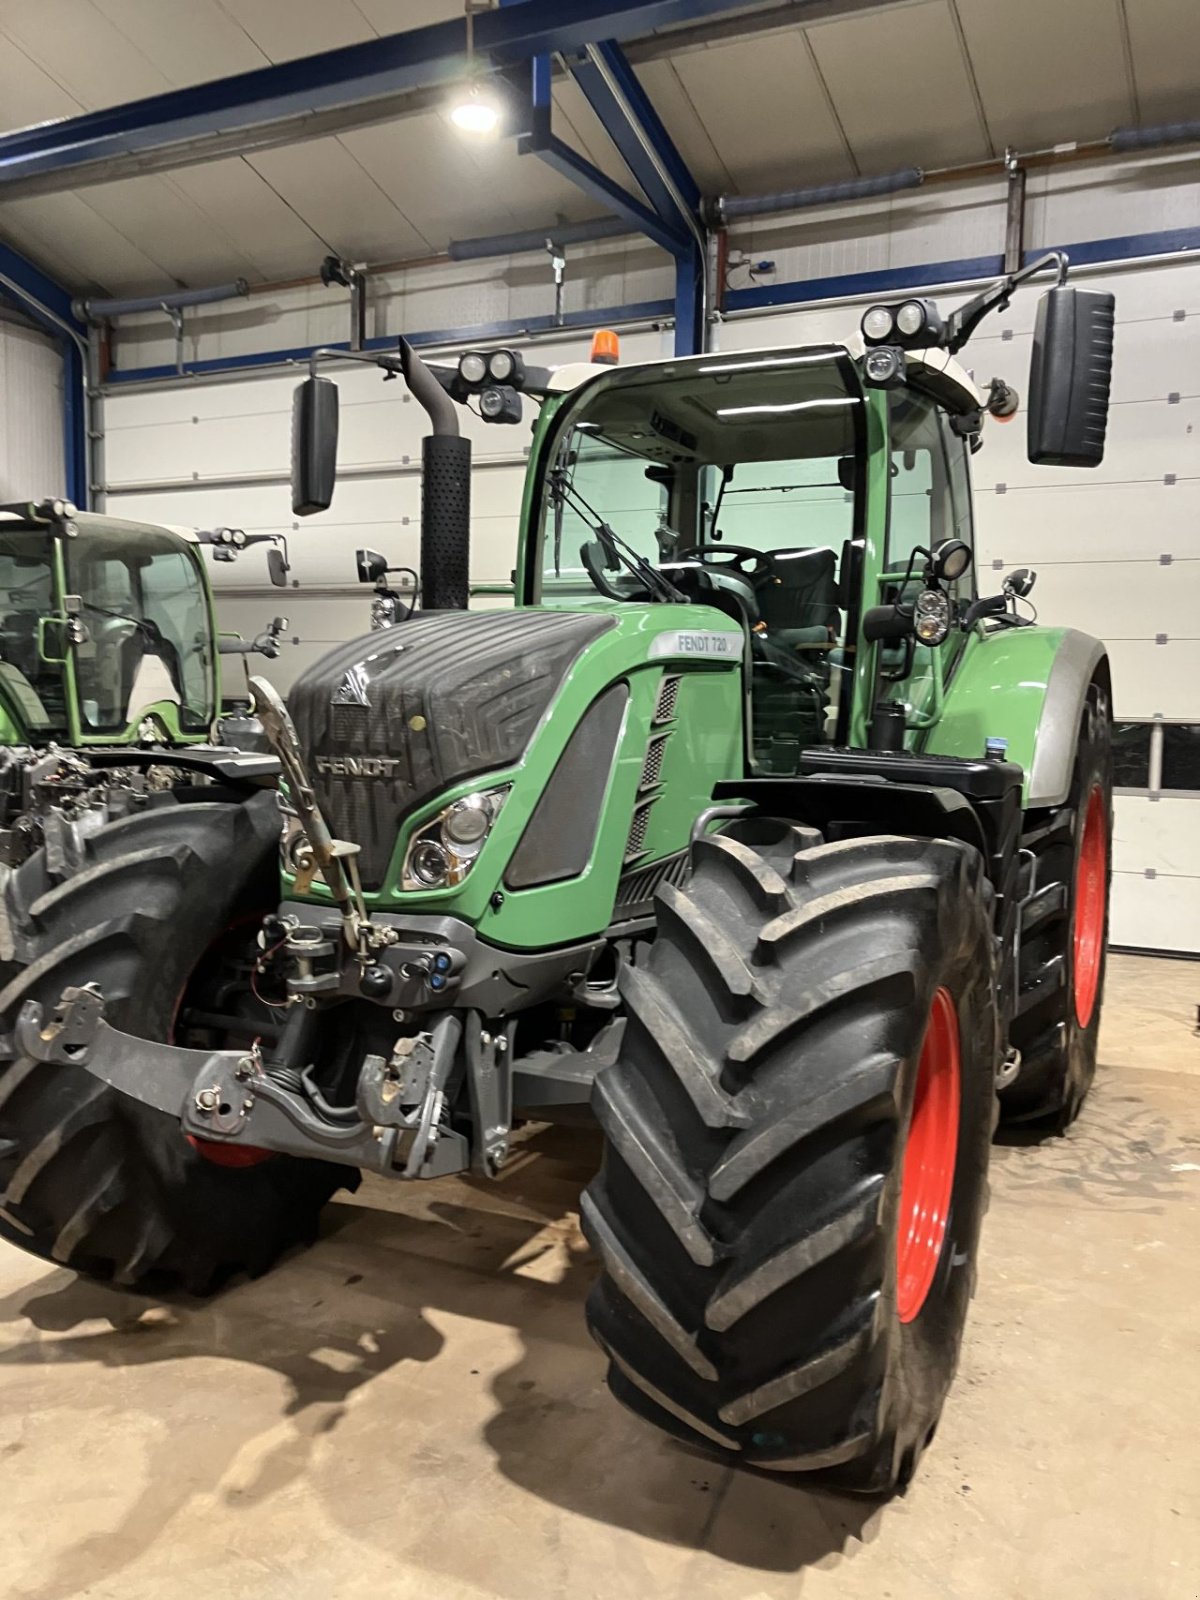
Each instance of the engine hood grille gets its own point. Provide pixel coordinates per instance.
(389, 720)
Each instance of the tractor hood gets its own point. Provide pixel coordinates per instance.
(390, 720)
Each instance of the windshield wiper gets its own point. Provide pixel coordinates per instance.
(616, 551)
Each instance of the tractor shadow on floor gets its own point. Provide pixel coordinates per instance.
(331, 1320)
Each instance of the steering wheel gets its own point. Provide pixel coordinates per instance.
(755, 565)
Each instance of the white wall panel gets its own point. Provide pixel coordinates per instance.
(31, 415)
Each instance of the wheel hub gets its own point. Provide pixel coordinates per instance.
(927, 1180)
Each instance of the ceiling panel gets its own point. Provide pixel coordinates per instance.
(285, 29)
(462, 189)
(264, 228)
(157, 215)
(687, 126)
(189, 41)
(765, 111)
(339, 201)
(397, 16)
(27, 93)
(62, 227)
(1037, 81)
(901, 88)
(83, 50)
(1164, 37)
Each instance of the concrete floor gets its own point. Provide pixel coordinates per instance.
(413, 1407)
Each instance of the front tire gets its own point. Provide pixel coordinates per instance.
(797, 1138)
(90, 1178)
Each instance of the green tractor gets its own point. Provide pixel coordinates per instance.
(110, 695)
(753, 826)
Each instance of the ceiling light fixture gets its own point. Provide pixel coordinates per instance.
(475, 108)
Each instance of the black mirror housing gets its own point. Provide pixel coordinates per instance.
(1070, 376)
(277, 567)
(314, 445)
(371, 565)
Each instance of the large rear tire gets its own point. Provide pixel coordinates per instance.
(90, 1178)
(797, 1138)
(1065, 937)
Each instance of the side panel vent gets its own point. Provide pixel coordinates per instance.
(636, 890)
(652, 766)
(668, 694)
(636, 844)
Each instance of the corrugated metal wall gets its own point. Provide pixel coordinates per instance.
(31, 414)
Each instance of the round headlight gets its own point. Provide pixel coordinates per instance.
(877, 324)
(910, 318)
(429, 864)
(472, 368)
(882, 365)
(467, 821)
(932, 616)
(951, 559)
(500, 365)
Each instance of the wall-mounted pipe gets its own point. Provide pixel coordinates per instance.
(1153, 138)
(530, 240)
(727, 207)
(173, 300)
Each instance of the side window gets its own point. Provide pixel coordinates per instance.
(920, 508)
(958, 461)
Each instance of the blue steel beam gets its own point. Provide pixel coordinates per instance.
(609, 109)
(240, 113)
(596, 184)
(541, 141)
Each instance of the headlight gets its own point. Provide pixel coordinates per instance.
(429, 864)
(884, 366)
(472, 368)
(502, 366)
(877, 324)
(910, 318)
(447, 847)
(931, 616)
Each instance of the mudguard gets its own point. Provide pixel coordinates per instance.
(1025, 685)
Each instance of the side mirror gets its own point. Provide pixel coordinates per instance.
(1069, 377)
(314, 445)
(277, 567)
(371, 566)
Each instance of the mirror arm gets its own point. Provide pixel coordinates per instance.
(961, 324)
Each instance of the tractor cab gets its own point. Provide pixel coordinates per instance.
(734, 482)
(103, 624)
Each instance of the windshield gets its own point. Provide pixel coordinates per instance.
(148, 631)
(32, 686)
(729, 480)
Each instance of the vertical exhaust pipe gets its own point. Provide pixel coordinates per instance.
(445, 493)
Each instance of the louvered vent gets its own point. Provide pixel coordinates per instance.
(652, 766)
(636, 889)
(635, 846)
(668, 694)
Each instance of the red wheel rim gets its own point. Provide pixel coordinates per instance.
(1091, 873)
(928, 1176)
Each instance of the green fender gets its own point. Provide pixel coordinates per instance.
(1026, 685)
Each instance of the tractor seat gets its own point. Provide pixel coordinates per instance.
(804, 598)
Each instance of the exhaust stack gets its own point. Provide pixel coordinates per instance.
(445, 493)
